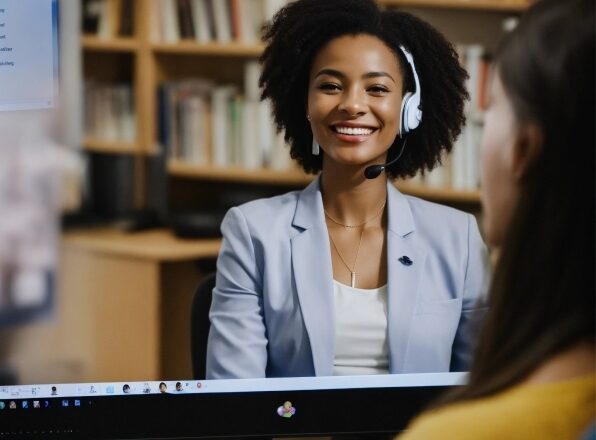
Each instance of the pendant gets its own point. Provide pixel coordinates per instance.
(353, 278)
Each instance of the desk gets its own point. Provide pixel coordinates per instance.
(123, 309)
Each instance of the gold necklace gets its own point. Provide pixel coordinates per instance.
(355, 226)
(352, 270)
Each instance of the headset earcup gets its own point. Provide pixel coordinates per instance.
(404, 126)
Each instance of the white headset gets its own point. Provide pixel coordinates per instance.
(411, 113)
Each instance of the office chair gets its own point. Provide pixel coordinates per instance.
(199, 325)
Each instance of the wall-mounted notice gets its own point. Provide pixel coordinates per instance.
(28, 49)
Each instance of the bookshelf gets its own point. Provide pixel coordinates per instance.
(193, 48)
(145, 60)
(93, 43)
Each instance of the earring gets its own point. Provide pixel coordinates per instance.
(315, 147)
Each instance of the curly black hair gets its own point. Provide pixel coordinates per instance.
(297, 33)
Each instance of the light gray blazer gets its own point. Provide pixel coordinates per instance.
(272, 313)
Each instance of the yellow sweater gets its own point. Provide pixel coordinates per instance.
(557, 411)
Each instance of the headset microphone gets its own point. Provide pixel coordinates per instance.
(373, 171)
(409, 118)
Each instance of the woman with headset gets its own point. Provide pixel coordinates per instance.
(349, 276)
(533, 373)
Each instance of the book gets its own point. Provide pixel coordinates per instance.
(220, 123)
(126, 26)
(202, 21)
(236, 20)
(251, 17)
(169, 21)
(222, 20)
(109, 111)
(185, 19)
(183, 120)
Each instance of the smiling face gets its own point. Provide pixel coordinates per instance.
(354, 100)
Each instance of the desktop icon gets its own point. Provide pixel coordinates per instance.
(199, 384)
(2, 405)
(92, 389)
(286, 410)
(12, 404)
(110, 389)
(36, 404)
(54, 391)
(77, 402)
(179, 386)
(146, 388)
(163, 388)
(46, 403)
(65, 403)
(25, 404)
(126, 388)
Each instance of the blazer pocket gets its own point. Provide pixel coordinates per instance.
(450, 306)
(432, 333)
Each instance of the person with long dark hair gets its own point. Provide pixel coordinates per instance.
(533, 375)
(349, 276)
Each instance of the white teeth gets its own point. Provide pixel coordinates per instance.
(353, 131)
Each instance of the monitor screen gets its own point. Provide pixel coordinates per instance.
(239, 408)
(28, 54)
(29, 67)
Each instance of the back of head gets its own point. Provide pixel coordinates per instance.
(542, 296)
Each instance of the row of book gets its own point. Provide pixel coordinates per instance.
(461, 169)
(217, 125)
(476, 60)
(205, 21)
(109, 111)
(108, 18)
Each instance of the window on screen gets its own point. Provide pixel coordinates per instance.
(27, 54)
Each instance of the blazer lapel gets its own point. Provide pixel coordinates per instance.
(405, 261)
(313, 275)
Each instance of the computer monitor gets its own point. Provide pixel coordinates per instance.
(380, 405)
(198, 409)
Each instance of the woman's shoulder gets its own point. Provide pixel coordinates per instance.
(264, 214)
(425, 208)
(438, 222)
(548, 411)
(268, 206)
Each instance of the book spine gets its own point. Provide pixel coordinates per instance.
(185, 19)
(201, 21)
(169, 23)
(126, 19)
(236, 20)
(221, 14)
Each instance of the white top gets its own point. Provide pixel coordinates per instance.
(360, 330)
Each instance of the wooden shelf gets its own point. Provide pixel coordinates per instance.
(109, 146)
(486, 5)
(188, 47)
(298, 178)
(239, 174)
(91, 42)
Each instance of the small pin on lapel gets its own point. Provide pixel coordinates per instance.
(405, 260)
